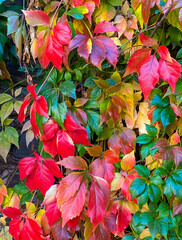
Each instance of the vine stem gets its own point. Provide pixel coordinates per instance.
(4, 233)
(31, 200)
(55, 13)
(45, 79)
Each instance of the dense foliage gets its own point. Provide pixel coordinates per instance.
(107, 112)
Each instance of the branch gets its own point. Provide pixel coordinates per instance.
(159, 24)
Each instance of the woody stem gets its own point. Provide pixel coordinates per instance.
(45, 80)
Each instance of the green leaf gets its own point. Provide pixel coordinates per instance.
(161, 172)
(90, 104)
(94, 121)
(142, 171)
(168, 189)
(26, 198)
(143, 198)
(78, 12)
(4, 97)
(53, 77)
(137, 187)
(12, 24)
(159, 101)
(39, 121)
(179, 54)
(137, 224)
(167, 116)
(21, 188)
(157, 115)
(90, 82)
(6, 110)
(151, 130)
(163, 210)
(78, 75)
(96, 93)
(4, 146)
(67, 76)
(156, 180)
(144, 138)
(128, 237)
(145, 150)
(67, 88)
(12, 135)
(154, 193)
(59, 112)
(154, 227)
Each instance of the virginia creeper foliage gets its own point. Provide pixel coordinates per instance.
(106, 112)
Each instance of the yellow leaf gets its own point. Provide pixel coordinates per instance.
(116, 76)
(145, 233)
(173, 19)
(142, 118)
(138, 14)
(152, 163)
(116, 182)
(132, 206)
(105, 12)
(39, 215)
(31, 209)
(88, 229)
(4, 74)
(94, 151)
(5, 235)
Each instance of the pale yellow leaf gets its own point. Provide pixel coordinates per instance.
(29, 136)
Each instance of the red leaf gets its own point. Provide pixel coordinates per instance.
(62, 34)
(50, 146)
(104, 26)
(54, 52)
(60, 233)
(114, 144)
(52, 213)
(101, 168)
(31, 230)
(98, 53)
(100, 233)
(41, 106)
(42, 50)
(146, 41)
(170, 71)
(14, 228)
(164, 53)
(149, 76)
(36, 18)
(72, 223)
(53, 167)
(38, 175)
(33, 119)
(74, 163)
(137, 59)
(127, 138)
(11, 212)
(65, 145)
(31, 90)
(146, 6)
(90, 5)
(177, 151)
(77, 41)
(21, 115)
(50, 129)
(97, 200)
(25, 166)
(110, 157)
(74, 206)
(68, 187)
(76, 132)
(123, 218)
(111, 48)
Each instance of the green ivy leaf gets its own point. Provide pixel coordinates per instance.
(154, 227)
(144, 138)
(142, 171)
(67, 88)
(159, 101)
(154, 193)
(6, 110)
(21, 188)
(78, 12)
(156, 180)
(167, 116)
(143, 198)
(12, 135)
(59, 112)
(96, 93)
(151, 130)
(4, 146)
(137, 187)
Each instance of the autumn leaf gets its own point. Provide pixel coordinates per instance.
(36, 18)
(137, 60)
(97, 200)
(38, 175)
(146, 41)
(146, 6)
(149, 75)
